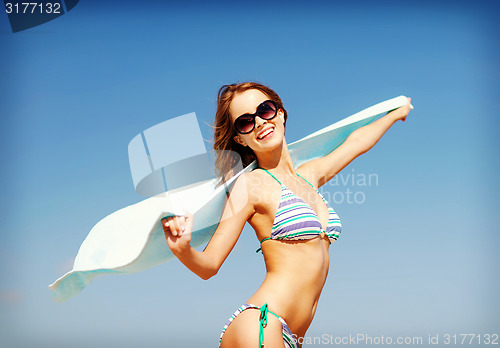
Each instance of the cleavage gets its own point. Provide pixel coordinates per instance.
(310, 207)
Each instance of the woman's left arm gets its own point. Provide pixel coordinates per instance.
(321, 170)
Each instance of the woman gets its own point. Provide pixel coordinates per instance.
(282, 204)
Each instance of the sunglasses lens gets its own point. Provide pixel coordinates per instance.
(267, 110)
(244, 124)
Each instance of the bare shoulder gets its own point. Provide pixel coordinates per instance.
(245, 186)
(252, 182)
(258, 186)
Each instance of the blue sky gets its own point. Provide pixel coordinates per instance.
(417, 257)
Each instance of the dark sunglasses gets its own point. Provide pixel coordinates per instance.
(267, 110)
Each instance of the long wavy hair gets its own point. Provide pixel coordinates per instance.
(224, 131)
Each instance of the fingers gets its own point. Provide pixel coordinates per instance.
(178, 222)
(409, 104)
(188, 220)
(406, 109)
(176, 225)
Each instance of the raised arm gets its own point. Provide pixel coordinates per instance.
(206, 263)
(321, 170)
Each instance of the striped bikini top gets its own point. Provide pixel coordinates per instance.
(296, 220)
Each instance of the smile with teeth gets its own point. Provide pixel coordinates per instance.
(265, 133)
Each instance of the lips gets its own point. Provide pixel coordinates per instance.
(266, 133)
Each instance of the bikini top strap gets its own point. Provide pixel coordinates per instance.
(268, 238)
(306, 181)
(319, 193)
(296, 173)
(272, 176)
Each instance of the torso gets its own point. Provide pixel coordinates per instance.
(296, 269)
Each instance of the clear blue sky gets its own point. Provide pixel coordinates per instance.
(417, 257)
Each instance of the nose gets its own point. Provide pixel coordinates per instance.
(259, 122)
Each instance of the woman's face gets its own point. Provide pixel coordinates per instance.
(267, 134)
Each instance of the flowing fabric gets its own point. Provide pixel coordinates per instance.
(132, 238)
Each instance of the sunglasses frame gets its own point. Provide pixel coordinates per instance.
(254, 115)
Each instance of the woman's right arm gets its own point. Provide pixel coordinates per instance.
(206, 263)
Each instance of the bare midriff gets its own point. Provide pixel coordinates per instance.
(296, 273)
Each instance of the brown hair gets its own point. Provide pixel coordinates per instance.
(224, 131)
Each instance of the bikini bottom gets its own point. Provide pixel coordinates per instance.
(288, 338)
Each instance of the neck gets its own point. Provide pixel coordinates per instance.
(278, 159)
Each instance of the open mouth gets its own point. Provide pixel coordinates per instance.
(266, 134)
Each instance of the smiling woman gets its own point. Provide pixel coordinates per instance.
(283, 205)
(224, 132)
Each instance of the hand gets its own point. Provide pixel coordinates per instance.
(402, 112)
(178, 231)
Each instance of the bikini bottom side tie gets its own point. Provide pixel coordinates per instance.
(263, 323)
(289, 340)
